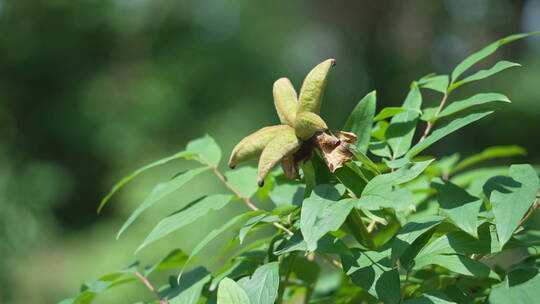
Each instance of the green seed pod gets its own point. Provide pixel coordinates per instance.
(307, 124)
(283, 145)
(285, 101)
(313, 87)
(252, 146)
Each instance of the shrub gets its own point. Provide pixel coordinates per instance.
(394, 227)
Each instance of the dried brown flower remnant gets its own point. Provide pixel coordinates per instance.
(334, 149)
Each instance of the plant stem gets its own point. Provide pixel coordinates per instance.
(150, 287)
(244, 199)
(332, 261)
(285, 279)
(402, 297)
(534, 206)
(430, 124)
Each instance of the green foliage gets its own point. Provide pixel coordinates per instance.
(389, 226)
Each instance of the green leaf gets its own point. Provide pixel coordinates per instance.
(323, 212)
(489, 153)
(381, 193)
(402, 126)
(404, 174)
(520, 286)
(216, 232)
(429, 113)
(434, 297)
(287, 192)
(229, 292)
(393, 111)
(458, 205)
(463, 243)
(475, 100)
(483, 53)
(437, 83)
(498, 67)
(90, 290)
(188, 290)
(123, 181)
(254, 221)
(511, 197)
(262, 286)
(410, 232)
(361, 119)
(380, 148)
(379, 131)
(207, 150)
(373, 271)
(366, 161)
(159, 192)
(327, 244)
(448, 127)
(186, 216)
(174, 259)
(458, 264)
(242, 180)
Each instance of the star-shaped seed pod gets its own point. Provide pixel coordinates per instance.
(300, 121)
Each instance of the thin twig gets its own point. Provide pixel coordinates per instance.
(243, 198)
(149, 286)
(285, 279)
(332, 261)
(402, 297)
(534, 206)
(430, 124)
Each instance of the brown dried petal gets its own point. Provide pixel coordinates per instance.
(334, 149)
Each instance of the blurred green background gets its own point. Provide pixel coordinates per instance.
(92, 89)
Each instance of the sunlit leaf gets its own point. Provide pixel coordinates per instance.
(498, 67)
(392, 111)
(402, 126)
(216, 232)
(373, 271)
(206, 150)
(511, 197)
(361, 119)
(520, 286)
(410, 232)
(483, 53)
(458, 264)
(185, 216)
(323, 212)
(478, 99)
(254, 221)
(327, 244)
(463, 243)
(458, 205)
(123, 181)
(437, 83)
(175, 258)
(229, 292)
(160, 191)
(262, 286)
(189, 288)
(453, 124)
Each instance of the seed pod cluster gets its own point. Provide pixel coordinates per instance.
(300, 120)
